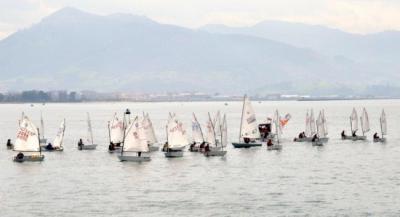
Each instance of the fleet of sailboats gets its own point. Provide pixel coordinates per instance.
(137, 138)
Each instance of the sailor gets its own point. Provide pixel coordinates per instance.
(80, 144)
(301, 135)
(246, 140)
(269, 143)
(376, 136)
(192, 146)
(49, 147)
(9, 144)
(343, 134)
(207, 148)
(111, 147)
(354, 133)
(139, 154)
(20, 156)
(165, 147)
(202, 145)
(315, 137)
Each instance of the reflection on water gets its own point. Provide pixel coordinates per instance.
(343, 177)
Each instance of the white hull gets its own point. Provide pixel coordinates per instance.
(87, 147)
(217, 153)
(355, 138)
(274, 147)
(30, 158)
(382, 140)
(171, 154)
(134, 158)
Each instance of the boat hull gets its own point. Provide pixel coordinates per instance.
(29, 158)
(215, 153)
(87, 147)
(355, 138)
(382, 140)
(134, 158)
(153, 148)
(246, 145)
(306, 139)
(274, 147)
(173, 154)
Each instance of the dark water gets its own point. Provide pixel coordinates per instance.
(343, 178)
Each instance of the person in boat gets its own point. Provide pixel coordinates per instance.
(207, 148)
(139, 154)
(202, 145)
(269, 143)
(192, 146)
(301, 136)
(343, 134)
(165, 147)
(315, 138)
(354, 133)
(20, 156)
(376, 136)
(246, 140)
(80, 144)
(49, 147)
(111, 147)
(9, 144)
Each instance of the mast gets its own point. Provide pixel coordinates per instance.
(109, 132)
(42, 124)
(241, 119)
(40, 147)
(212, 126)
(201, 131)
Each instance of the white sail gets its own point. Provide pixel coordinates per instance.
(320, 126)
(354, 120)
(364, 121)
(210, 136)
(58, 141)
(383, 123)
(116, 130)
(89, 137)
(135, 138)
(325, 124)
(248, 128)
(313, 127)
(217, 126)
(308, 129)
(277, 125)
(197, 134)
(41, 125)
(176, 134)
(149, 130)
(224, 132)
(27, 137)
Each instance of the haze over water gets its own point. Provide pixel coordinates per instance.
(342, 178)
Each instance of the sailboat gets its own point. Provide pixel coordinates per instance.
(354, 126)
(216, 147)
(307, 135)
(42, 140)
(150, 133)
(217, 123)
(249, 132)
(383, 125)
(322, 130)
(89, 137)
(197, 135)
(59, 139)
(27, 141)
(176, 138)
(116, 132)
(278, 133)
(135, 141)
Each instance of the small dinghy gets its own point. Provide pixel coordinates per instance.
(176, 138)
(383, 125)
(354, 126)
(115, 134)
(58, 140)
(215, 147)
(27, 142)
(278, 132)
(135, 141)
(249, 132)
(309, 132)
(89, 136)
(150, 133)
(197, 135)
(322, 132)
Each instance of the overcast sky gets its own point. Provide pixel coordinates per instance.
(360, 16)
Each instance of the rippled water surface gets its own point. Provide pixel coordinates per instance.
(343, 178)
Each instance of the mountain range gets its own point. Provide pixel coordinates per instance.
(75, 50)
